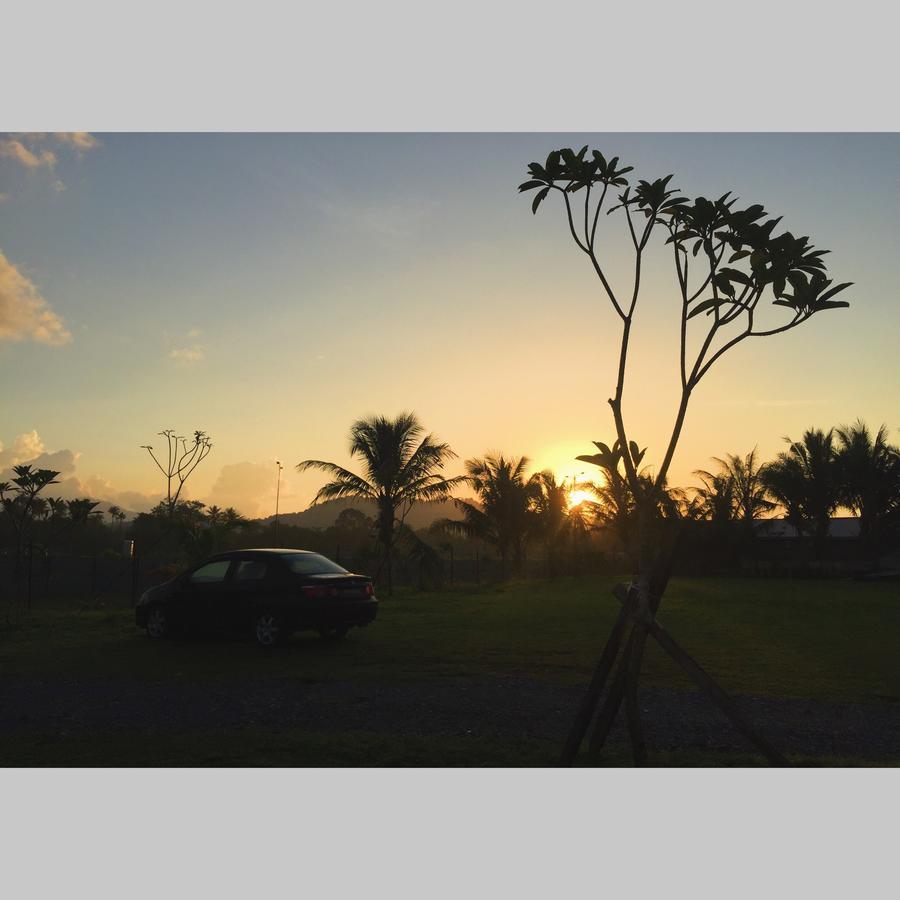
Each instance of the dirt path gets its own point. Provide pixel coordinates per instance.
(504, 707)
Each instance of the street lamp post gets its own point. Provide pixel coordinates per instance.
(277, 495)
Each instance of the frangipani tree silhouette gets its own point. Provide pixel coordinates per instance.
(181, 459)
(730, 269)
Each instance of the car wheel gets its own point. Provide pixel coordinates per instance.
(336, 633)
(268, 630)
(157, 623)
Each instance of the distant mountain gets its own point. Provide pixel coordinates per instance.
(324, 515)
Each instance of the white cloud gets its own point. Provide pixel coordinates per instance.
(57, 186)
(24, 313)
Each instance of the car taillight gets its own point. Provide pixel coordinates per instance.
(370, 591)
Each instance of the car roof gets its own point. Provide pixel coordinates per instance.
(267, 551)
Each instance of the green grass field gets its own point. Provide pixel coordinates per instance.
(834, 640)
(821, 640)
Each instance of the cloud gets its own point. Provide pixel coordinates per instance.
(25, 447)
(80, 140)
(4, 198)
(188, 355)
(28, 449)
(31, 151)
(250, 488)
(31, 159)
(24, 314)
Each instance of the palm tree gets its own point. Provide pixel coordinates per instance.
(400, 468)
(716, 500)
(115, 514)
(869, 479)
(804, 480)
(750, 497)
(504, 517)
(554, 521)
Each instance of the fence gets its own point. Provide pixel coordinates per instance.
(51, 579)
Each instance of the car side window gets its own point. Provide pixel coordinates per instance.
(250, 570)
(211, 573)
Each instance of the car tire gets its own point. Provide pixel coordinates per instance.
(268, 629)
(335, 633)
(157, 623)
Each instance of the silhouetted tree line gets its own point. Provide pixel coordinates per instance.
(514, 515)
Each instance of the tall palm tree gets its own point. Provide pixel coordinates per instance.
(504, 516)
(115, 514)
(400, 467)
(869, 479)
(804, 480)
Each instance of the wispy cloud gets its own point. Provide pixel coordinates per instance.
(24, 313)
(30, 150)
(191, 355)
(391, 223)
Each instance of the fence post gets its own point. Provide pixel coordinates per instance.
(135, 567)
(30, 571)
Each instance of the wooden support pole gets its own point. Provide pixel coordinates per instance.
(632, 667)
(702, 679)
(595, 688)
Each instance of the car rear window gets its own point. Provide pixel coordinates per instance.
(312, 564)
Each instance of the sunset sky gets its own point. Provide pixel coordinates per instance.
(270, 289)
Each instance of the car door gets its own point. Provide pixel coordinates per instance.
(248, 586)
(202, 593)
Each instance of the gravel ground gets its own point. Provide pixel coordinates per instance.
(499, 707)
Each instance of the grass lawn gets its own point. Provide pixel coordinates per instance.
(820, 640)
(828, 640)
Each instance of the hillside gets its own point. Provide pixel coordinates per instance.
(322, 516)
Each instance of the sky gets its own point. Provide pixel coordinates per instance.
(271, 289)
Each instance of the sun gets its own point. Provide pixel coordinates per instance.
(579, 496)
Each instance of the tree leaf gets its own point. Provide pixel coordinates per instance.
(705, 306)
(538, 198)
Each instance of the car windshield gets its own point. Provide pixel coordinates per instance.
(312, 564)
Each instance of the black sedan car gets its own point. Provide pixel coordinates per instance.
(267, 593)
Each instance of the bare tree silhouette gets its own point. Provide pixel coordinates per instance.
(182, 460)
